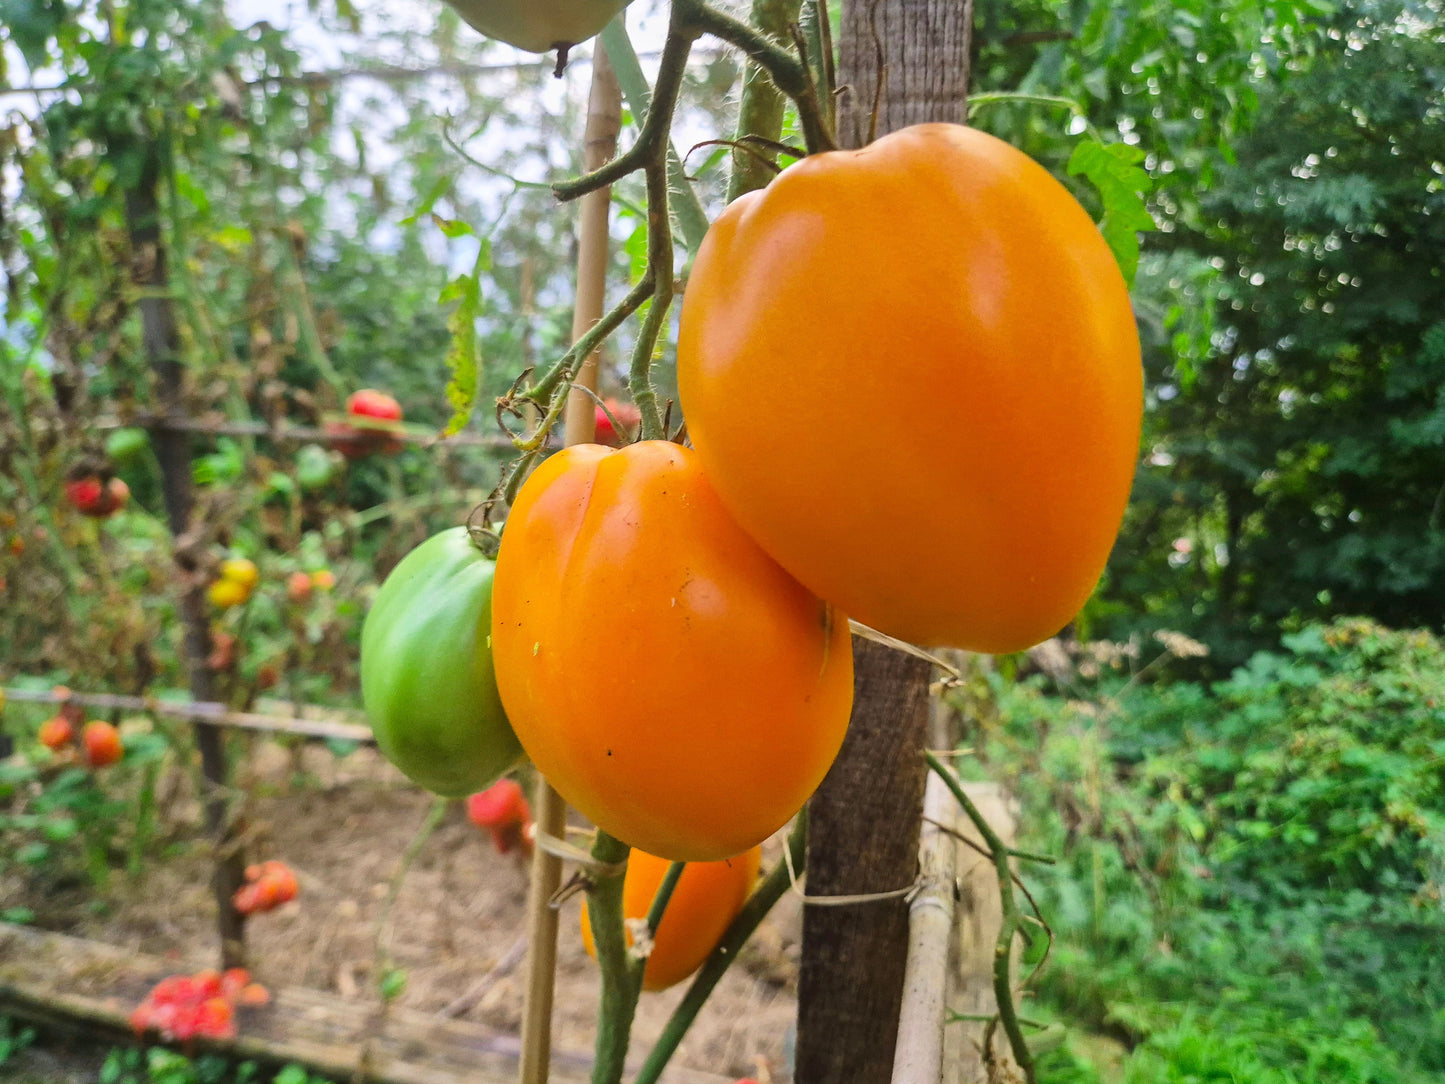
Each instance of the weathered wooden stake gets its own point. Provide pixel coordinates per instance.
(172, 446)
(866, 816)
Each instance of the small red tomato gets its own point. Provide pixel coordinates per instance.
(267, 677)
(370, 403)
(87, 495)
(503, 811)
(56, 733)
(375, 419)
(627, 415)
(298, 587)
(282, 879)
(102, 744)
(501, 803)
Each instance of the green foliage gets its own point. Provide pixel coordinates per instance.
(1250, 875)
(1113, 169)
(13, 1039)
(158, 1065)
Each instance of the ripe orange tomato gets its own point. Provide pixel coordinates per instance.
(707, 897)
(670, 680)
(102, 744)
(942, 441)
(55, 734)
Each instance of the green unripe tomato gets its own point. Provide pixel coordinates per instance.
(315, 466)
(426, 669)
(538, 26)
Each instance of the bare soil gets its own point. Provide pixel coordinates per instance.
(343, 826)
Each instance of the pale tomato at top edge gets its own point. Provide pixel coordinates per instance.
(913, 375)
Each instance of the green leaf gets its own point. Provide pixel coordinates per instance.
(32, 23)
(453, 227)
(1113, 169)
(21, 916)
(60, 829)
(392, 984)
(463, 357)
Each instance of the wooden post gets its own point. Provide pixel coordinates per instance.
(864, 827)
(172, 446)
(604, 121)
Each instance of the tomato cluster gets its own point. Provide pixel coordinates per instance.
(268, 885)
(184, 1007)
(666, 631)
(100, 742)
(90, 495)
(233, 586)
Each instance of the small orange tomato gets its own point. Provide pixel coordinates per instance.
(298, 587)
(56, 733)
(708, 896)
(941, 445)
(667, 677)
(102, 744)
(323, 580)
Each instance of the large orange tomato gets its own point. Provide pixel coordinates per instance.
(670, 680)
(707, 897)
(912, 374)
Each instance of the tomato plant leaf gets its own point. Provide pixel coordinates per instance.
(464, 354)
(1114, 170)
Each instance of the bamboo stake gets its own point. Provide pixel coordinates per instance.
(918, 1055)
(604, 121)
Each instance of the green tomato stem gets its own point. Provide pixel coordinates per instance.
(620, 986)
(726, 951)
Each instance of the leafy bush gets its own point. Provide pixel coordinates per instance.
(1249, 884)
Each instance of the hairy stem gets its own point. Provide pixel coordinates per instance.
(620, 986)
(660, 268)
(788, 73)
(653, 139)
(761, 110)
(567, 365)
(691, 218)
